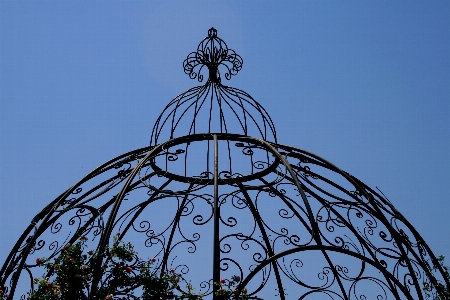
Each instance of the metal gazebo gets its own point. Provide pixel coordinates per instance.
(215, 195)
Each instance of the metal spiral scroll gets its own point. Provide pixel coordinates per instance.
(212, 204)
(212, 53)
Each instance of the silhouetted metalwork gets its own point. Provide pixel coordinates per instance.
(212, 52)
(215, 195)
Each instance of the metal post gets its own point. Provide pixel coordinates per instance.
(216, 247)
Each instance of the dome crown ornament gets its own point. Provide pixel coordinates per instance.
(213, 107)
(212, 52)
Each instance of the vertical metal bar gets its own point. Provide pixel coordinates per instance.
(216, 254)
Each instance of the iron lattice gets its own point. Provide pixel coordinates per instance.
(221, 197)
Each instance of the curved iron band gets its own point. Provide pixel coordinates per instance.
(421, 260)
(117, 202)
(363, 242)
(9, 267)
(209, 181)
(274, 258)
(376, 212)
(379, 214)
(314, 225)
(370, 249)
(15, 267)
(237, 137)
(157, 149)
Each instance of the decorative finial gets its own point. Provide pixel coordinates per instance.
(212, 52)
(212, 32)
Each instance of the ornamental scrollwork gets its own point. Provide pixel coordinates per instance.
(212, 53)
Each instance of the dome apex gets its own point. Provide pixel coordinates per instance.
(213, 53)
(213, 107)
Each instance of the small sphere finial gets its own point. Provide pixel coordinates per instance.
(212, 32)
(213, 53)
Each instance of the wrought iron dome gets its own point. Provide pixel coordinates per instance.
(215, 195)
(213, 107)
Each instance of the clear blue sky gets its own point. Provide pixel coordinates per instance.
(366, 85)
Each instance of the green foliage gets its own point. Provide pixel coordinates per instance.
(438, 290)
(72, 270)
(122, 273)
(226, 289)
(69, 277)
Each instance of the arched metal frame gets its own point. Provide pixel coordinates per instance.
(289, 223)
(213, 108)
